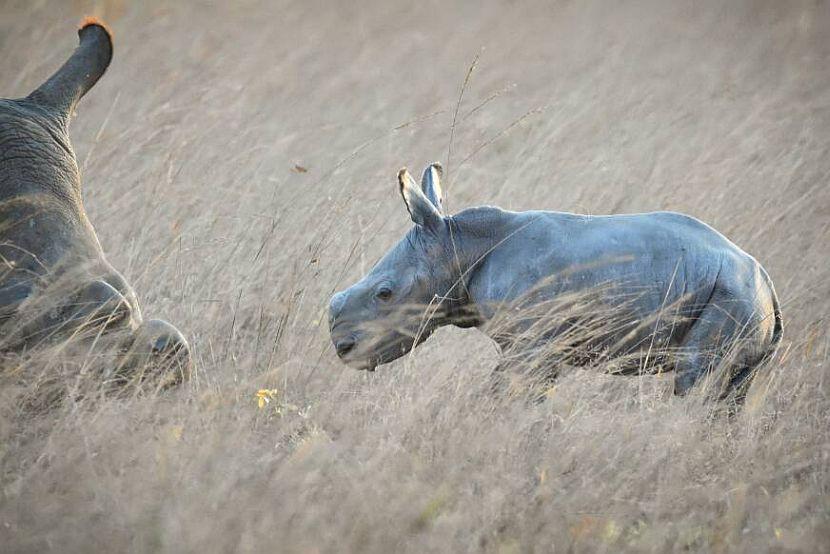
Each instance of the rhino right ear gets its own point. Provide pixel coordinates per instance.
(80, 72)
(431, 184)
(422, 211)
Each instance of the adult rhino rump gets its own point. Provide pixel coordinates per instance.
(55, 282)
(642, 289)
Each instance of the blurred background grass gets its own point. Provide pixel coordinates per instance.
(239, 166)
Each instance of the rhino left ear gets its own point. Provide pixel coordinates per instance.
(422, 211)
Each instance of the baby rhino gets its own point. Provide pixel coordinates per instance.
(657, 290)
(55, 283)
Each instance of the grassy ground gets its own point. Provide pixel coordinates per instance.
(239, 166)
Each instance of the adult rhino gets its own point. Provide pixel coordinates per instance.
(678, 294)
(55, 282)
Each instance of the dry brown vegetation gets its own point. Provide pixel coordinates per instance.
(239, 166)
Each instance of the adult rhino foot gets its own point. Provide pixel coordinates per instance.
(158, 354)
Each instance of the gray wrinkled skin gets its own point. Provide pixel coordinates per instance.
(55, 282)
(668, 281)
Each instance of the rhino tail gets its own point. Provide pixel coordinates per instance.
(740, 381)
(80, 72)
(778, 328)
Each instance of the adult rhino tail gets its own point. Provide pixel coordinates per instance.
(80, 72)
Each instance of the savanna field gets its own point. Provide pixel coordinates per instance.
(239, 163)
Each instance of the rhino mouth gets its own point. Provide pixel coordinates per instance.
(388, 352)
(367, 357)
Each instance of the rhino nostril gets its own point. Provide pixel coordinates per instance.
(344, 346)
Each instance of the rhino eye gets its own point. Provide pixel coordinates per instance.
(383, 294)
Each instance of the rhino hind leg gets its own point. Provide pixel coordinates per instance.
(729, 336)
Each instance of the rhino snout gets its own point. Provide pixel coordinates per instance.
(158, 349)
(344, 340)
(336, 307)
(164, 340)
(347, 344)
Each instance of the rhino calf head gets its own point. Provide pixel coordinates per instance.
(401, 301)
(55, 282)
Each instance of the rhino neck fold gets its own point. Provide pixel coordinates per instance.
(474, 234)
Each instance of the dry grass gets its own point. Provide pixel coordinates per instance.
(239, 166)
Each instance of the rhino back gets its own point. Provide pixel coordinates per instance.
(654, 258)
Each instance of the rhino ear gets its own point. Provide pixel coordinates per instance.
(80, 72)
(431, 184)
(421, 210)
